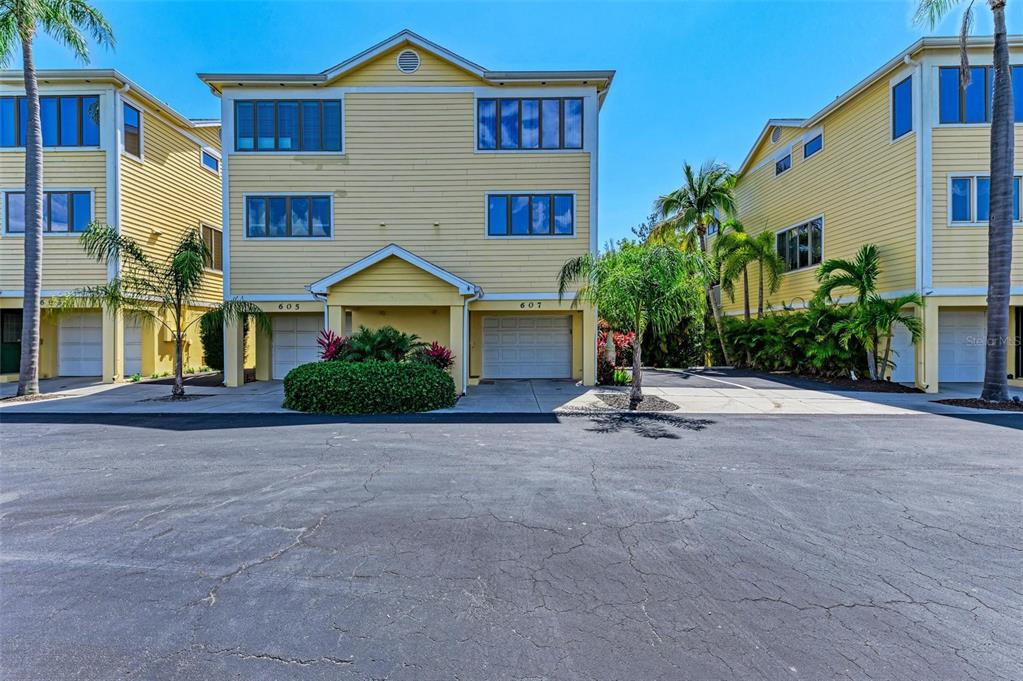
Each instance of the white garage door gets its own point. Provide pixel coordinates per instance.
(294, 341)
(80, 348)
(527, 347)
(961, 338)
(132, 347)
(903, 356)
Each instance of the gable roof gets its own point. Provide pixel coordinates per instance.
(215, 81)
(464, 287)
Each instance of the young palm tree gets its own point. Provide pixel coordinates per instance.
(635, 286)
(771, 266)
(874, 323)
(735, 250)
(687, 212)
(161, 292)
(67, 22)
(996, 383)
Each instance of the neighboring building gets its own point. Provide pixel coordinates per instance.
(410, 187)
(113, 154)
(901, 161)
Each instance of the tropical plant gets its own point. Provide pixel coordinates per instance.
(999, 235)
(873, 324)
(638, 286)
(686, 214)
(370, 387)
(332, 346)
(436, 355)
(622, 344)
(385, 344)
(161, 291)
(860, 275)
(67, 22)
(735, 250)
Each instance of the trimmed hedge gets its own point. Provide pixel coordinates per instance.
(370, 387)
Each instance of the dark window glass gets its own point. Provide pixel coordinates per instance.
(332, 126)
(278, 220)
(977, 96)
(300, 217)
(288, 216)
(265, 125)
(497, 215)
(1017, 101)
(210, 161)
(256, 216)
(509, 123)
(540, 221)
(961, 199)
(573, 124)
(563, 218)
(90, 121)
(520, 215)
(780, 243)
(551, 110)
(816, 242)
(813, 146)
(8, 122)
(1015, 200)
(804, 245)
(69, 121)
(781, 165)
(15, 209)
(48, 120)
(132, 130)
(530, 124)
(245, 134)
(902, 108)
(983, 199)
(63, 212)
(214, 238)
(970, 106)
(311, 126)
(81, 211)
(486, 124)
(320, 207)
(287, 126)
(59, 217)
(948, 94)
(22, 117)
(793, 249)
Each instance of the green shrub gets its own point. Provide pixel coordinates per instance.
(370, 387)
(211, 332)
(385, 344)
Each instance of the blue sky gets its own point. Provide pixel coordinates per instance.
(696, 80)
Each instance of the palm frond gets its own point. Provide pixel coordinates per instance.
(64, 21)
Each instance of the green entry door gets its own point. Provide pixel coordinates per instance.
(10, 341)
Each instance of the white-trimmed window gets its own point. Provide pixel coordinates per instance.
(66, 120)
(533, 123)
(530, 215)
(288, 217)
(210, 161)
(288, 125)
(801, 245)
(213, 237)
(969, 199)
(783, 164)
(813, 145)
(902, 107)
(132, 130)
(64, 212)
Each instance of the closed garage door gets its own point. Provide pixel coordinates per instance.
(961, 337)
(294, 341)
(527, 347)
(81, 344)
(132, 347)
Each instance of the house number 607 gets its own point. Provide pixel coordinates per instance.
(530, 305)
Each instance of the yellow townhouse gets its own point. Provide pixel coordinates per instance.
(408, 186)
(113, 154)
(901, 161)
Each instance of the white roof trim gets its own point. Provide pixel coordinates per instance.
(464, 287)
(405, 36)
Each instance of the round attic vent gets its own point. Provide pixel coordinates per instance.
(775, 134)
(408, 61)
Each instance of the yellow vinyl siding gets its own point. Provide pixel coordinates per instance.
(65, 265)
(384, 71)
(170, 191)
(959, 254)
(208, 134)
(862, 183)
(409, 162)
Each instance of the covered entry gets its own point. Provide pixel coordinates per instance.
(527, 346)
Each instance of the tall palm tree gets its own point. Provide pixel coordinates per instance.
(67, 22)
(999, 235)
(859, 274)
(687, 212)
(736, 250)
(635, 286)
(873, 324)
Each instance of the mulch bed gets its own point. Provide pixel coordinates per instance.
(187, 397)
(845, 383)
(39, 397)
(975, 403)
(648, 403)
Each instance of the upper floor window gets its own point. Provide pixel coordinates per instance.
(902, 108)
(530, 123)
(970, 199)
(813, 145)
(284, 217)
(132, 130)
(530, 215)
(802, 245)
(67, 121)
(210, 161)
(287, 125)
(214, 240)
(63, 212)
(783, 164)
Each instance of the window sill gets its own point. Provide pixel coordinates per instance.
(535, 237)
(300, 239)
(976, 225)
(278, 152)
(807, 268)
(133, 157)
(68, 148)
(579, 150)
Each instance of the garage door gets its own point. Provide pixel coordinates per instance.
(903, 356)
(80, 348)
(294, 341)
(527, 347)
(961, 337)
(132, 347)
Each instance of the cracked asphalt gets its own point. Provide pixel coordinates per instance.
(590, 547)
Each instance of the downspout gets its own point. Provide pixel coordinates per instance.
(323, 299)
(465, 337)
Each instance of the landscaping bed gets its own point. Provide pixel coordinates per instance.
(648, 403)
(843, 383)
(977, 403)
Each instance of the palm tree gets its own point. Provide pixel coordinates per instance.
(999, 236)
(161, 292)
(687, 212)
(735, 250)
(635, 286)
(874, 322)
(66, 21)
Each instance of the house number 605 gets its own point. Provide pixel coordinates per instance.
(530, 305)
(289, 306)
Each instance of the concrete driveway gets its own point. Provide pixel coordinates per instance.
(274, 547)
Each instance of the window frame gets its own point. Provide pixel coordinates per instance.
(212, 267)
(894, 86)
(529, 211)
(208, 151)
(797, 225)
(540, 148)
(973, 222)
(47, 231)
(988, 75)
(80, 130)
(778, 161)
(299, 102)
(288, 196)
(124, 131)
(810, 138)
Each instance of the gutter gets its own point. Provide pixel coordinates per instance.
(465, 337)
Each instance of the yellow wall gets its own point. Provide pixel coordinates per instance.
(861, 182)
(65, 265)
(432, 71)
(171, 191)
(429, 323)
